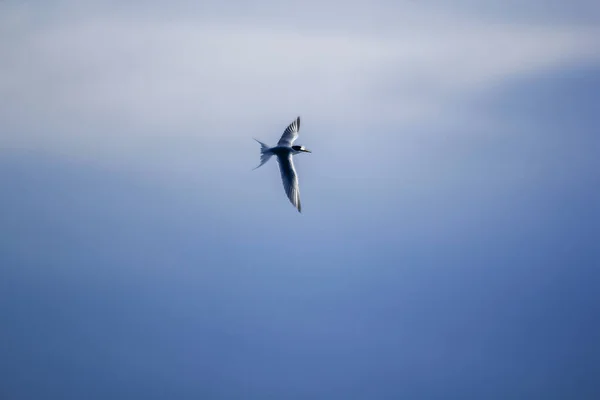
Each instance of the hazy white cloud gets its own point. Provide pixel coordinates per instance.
(93, 80)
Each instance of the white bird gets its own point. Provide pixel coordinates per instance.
(284, 152)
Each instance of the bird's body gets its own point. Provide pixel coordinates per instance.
(284, 151)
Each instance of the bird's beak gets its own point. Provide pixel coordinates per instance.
(307, 151)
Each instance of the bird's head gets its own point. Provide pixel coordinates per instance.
(301, 149)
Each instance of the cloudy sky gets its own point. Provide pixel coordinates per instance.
(448, 245)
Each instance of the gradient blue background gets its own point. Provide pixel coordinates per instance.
(448, 246)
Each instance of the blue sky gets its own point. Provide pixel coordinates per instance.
(448, 242)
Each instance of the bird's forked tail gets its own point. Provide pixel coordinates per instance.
(265, 153)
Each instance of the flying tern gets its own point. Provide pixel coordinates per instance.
(285, 150)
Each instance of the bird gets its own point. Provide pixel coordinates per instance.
(284, 151)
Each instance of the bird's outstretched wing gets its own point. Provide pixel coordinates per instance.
(290, 179)
(290, 134)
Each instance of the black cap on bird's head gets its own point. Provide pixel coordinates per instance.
(301, 148)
